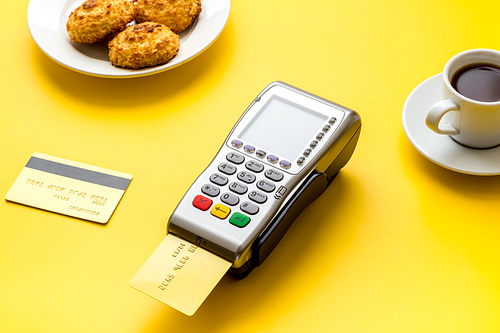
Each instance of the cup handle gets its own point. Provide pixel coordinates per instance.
(436, 113)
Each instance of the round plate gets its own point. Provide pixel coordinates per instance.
(47, 25)
(441, 149)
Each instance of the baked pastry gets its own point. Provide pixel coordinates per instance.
(178, 15)
(95, 19)
(143, 45)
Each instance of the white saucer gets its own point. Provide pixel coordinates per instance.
(441, 149)
(47, 25)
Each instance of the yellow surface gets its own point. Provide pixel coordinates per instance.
(396, 244)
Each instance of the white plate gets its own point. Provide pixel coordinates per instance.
(441, 149)
(47, 25)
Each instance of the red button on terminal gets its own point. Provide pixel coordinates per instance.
(202, 202)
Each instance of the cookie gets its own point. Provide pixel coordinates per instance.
(178, 15)
(95, 19)
(143, 45)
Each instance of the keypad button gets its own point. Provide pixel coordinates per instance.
(285, 164)
(266, 186)
(220, 211)
(307, 152)
(332, 120)
(239, 220)
(326, 128)
(246, 177)
(238, 188)
(219, 179)
(313, 144)
(227, 168)
(210, 190)
(230, 199)
(272, 158)
(202, 202)
(260, 153)
(254, 166)
(301, 160)
(274, 175)
(249, 148)
(257, 196)
(320, 136)
(237, 143)
(249, 208)
(235, 158)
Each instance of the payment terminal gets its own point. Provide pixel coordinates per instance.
(283, 152)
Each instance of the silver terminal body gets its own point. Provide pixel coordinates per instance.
(283, 136)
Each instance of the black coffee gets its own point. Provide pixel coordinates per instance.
(480, 82)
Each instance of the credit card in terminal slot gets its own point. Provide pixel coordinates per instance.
(180, 274)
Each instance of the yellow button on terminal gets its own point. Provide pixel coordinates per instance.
(220, 211)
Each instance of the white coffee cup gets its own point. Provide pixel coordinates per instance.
(470, 122)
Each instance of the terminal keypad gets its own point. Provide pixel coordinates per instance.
(236, 191)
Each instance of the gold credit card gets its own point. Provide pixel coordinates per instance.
(69, 188)
(180, 274)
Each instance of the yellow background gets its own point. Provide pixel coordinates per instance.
(396, 244)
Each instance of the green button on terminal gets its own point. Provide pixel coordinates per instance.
(239, 220)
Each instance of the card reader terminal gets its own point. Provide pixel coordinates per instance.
(282, 154)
